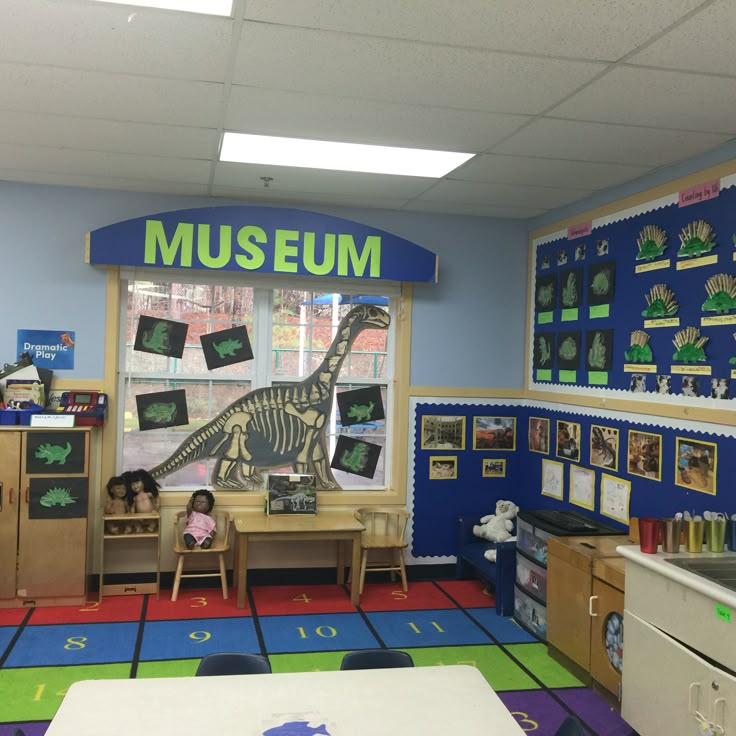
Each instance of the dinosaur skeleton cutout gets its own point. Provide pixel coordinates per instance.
(277, 425)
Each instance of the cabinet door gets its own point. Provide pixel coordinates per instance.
(52, 548)
(568, 619)
(606, 636)
(9, 502)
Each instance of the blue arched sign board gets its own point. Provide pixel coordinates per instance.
(261, 240)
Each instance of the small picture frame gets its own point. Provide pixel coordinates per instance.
(582, 487)
(539, 435)
(291, 493)
(494, 433)
(553, 479)
(441, 432)
(443, 467)
(568, 440)
(604, 446)
(615, 498)
(696, 465)
(644, 454)
(494, 467)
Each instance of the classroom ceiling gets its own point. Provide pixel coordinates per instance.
(559, 98)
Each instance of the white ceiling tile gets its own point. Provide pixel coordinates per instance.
(703, 43)
(109, 96)
(661, 99)
(546, 172)
(118, 38)
(401, 71)
(479, 210)
(301, 115)
(623, 144)
(511, 195)
(36, 129)
(95, 163)
(287, 178)
(308, 198)
(590, 29)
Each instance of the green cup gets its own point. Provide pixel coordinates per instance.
(716, 529)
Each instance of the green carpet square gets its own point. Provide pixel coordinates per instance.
(535, 658)
(168, 668)
(307, 662)
(35, 693)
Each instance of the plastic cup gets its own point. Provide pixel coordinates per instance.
(695, 531)
(731, 534)
(716, 529)
(671, 535)
(649, 532)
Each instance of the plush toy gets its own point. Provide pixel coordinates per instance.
(497, 527)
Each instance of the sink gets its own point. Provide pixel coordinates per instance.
(722, 571)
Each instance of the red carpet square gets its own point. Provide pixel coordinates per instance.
(390, 597)
(195, 603)
(468, 593)
(285, 600)
(11, 616)
(113, 609)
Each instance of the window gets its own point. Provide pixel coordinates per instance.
(291, 328)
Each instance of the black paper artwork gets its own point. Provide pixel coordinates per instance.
(162, 409)
(360, 406)
(545, 295)
(544, 348)
(160, 336)
(601, 283)
(571, 288)
(57, 498)
(226, 347)
(568, 351)
(51, 453)
(356, 456)
(599, 350)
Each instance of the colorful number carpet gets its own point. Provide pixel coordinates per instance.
(300, 628)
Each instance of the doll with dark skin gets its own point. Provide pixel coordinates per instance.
(201, 527)
(143, 498)
(117, 503)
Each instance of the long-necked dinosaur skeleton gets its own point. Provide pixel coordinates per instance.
(277, 425)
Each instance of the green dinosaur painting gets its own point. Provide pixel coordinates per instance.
(568, 349)
(597, 352)
(53, 453)
(545, 354)
(160, 413)
(157, 339)
(689, 353)
(570, 291)
(720, 302)
(639, 354)
(227, 347)
(601, 283)
(356, 458)
(361, 412)
(545, 295)
(57, 497)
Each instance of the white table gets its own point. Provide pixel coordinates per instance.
(421, 701)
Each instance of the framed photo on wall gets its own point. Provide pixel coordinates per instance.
(644, 454)
(696, 465)
(604, 447)
(441, 432)
(582, 487)
(539, 435)
(553, 479)
(494, 433)
(615, 496)
(494, 467)
(443, 467)
(568, 440)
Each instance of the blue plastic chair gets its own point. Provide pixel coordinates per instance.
(373, 659)
(233, 663)
(571, 726)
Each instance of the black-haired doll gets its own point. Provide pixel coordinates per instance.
(143, 497)
(117, 504)
(201, 527)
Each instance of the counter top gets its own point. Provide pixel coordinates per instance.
(656, 562)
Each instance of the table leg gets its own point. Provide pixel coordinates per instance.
(354, 570)
(340, 562)
(242, 568)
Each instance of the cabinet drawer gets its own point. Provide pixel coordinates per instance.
(531, 577)
(531, 614)
(532, 541)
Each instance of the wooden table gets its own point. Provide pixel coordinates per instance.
(412, 701)
(339, 526)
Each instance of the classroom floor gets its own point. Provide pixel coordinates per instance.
(301, 628)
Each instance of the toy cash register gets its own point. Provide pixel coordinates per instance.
(88, 407)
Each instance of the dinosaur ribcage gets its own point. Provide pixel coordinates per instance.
(275, 433)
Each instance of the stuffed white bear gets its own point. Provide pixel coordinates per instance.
(497, 527)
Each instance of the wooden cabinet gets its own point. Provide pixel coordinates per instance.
(44, 492)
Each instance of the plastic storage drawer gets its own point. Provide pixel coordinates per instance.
(532, 540)
(531, 614)
(531, 577)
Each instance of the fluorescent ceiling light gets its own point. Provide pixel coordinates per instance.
(266, 149)
(209, 7)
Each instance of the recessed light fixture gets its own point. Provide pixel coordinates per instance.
(265, 149)
(208, 7)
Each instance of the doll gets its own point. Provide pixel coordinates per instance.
(200, 528)
(143, 498)
(117, 504)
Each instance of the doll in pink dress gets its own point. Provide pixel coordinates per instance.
(200, 528)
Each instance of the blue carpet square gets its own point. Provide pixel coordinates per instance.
(68, 644)
(193, 638)
(502, 628)
(315, 633)
(426, 628)
(6, 634)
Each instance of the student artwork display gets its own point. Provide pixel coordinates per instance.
(539, 435)
(582, 487)
(690, 346)
(160, 336)
(615, 498)
(494, 467)
(553, 479)
(644, 454)
(226, 347)
(50, 453)
(355, 456)
(360, 406)
(696, 238)
(652, 242)
(568, 350)
(639, 350)
(290, 493)
(661, 302)
(601, 283)
(604, 447)
(721, 290)
(494, 433)
(696, 465)
(571, 288)
(599, 350)
(162, 409)
(57, 498)
(442, 467)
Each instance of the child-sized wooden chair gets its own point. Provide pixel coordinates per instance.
(385, 529)
(220, 545)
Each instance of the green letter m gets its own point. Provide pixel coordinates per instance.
(156, 237)
(347, 255)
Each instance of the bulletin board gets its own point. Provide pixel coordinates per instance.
(640, 302)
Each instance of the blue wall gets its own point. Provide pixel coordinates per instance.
(47, 285)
